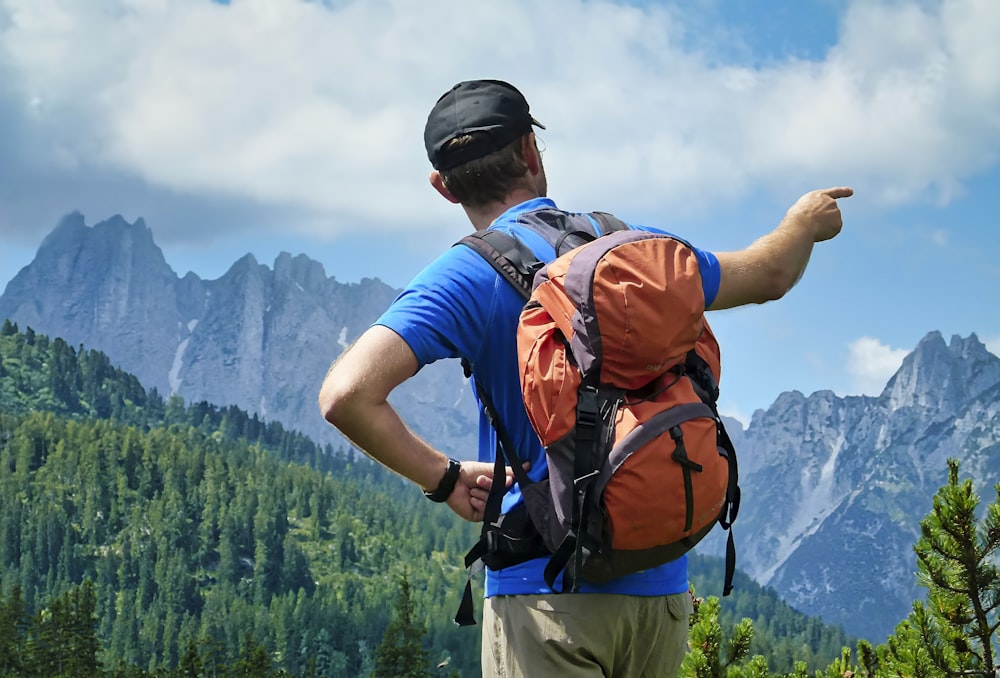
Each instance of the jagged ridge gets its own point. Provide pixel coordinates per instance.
(256, 338)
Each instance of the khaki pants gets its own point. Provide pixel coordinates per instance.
(587, 634)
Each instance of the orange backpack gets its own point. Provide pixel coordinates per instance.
(619, 375)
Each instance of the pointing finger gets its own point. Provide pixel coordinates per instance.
(841, 192)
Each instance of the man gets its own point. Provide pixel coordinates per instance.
(480, 141)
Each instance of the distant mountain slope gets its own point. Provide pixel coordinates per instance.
(257, 338)
(834, 488)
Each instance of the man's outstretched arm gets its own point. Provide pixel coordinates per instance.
(771, 266)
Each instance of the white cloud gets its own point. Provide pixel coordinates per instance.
(993, 345)
(729, 408)
(322, 107)
(871, 363)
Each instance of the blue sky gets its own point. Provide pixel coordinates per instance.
(282, 125)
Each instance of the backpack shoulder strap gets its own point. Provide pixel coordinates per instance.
(511, 258)
(515, 261)
(566, 231)
(609, 222)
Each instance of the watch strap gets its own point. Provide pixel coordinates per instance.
(447, 485)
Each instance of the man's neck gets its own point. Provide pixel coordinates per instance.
(482, 217)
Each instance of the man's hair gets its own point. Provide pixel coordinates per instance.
(488, 179)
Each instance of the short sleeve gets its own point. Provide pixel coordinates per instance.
(443, 311)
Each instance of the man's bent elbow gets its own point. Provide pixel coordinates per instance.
(334, 402)
(766, 286)
(778, 286)
(777, 280)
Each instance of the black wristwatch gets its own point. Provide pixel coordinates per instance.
(447, 485)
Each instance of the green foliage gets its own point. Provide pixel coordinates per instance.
(956, 560)
(199, 526)
(782, 635)
(908, 651)
(63, 638)
(60, 641)
(14, 626)
(710, 655)
(192, 539)
(38, 375)
(401, 653)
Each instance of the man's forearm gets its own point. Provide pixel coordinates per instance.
(354, 398)
(774, 263)
(381, 434)
(786, 251)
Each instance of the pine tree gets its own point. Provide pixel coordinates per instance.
(190, 665)
(253, 661)
(710, 655)
(905, 652)
(401, 653)
(844, 667)
(956, 560)
(64, 635)
(14, 621)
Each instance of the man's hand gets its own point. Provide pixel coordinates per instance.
(819, 211)
(468, 499)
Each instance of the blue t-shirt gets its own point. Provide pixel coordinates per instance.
(460, 307)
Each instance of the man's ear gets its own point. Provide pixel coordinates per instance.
(438, 183)
(530, 152)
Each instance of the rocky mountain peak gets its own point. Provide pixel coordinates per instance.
(300, 270)
(255, 338)
(831, 483)
(69, 228)
(245, 263)
(110, 244)
(939, 376)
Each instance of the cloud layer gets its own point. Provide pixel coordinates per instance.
(319, 108)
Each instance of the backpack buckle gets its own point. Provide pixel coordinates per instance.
(588, 409)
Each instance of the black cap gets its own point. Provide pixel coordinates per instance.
(491, 106)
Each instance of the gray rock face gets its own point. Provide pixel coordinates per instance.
(833, 488)
(258, 338)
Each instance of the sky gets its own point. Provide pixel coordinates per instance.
(264, 126)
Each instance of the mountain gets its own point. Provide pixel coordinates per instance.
(833, 487)
(258, 338)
